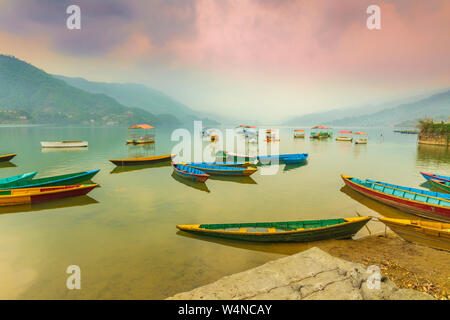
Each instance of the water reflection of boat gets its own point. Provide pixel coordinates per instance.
(50, 205)
(196, 185)
(428, 155)
(120, 169)
(71, 149)
(7, 165)
(243, 179)
(293, 166)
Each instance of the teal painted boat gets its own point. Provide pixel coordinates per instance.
(442, 185)
(288, 231)
(62, 180)
(221, 170)
(20, 177)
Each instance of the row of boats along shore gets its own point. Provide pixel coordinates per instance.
(431, 209)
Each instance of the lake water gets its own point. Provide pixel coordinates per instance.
(123, 235)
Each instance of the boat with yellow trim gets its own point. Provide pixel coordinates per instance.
(7, 157)
(142, 160)
(433, 234)
(221, 170)
(287, 231)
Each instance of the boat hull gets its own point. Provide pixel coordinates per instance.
(429, 176)
(433, 234)
(421, 209)
(343, 230)
(349, 139)
(197, 176)
(224, 171)
(64, 144)
(141, 161)
(445, 186)
(7, 157)
(35, 195)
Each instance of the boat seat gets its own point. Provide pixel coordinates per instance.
(271, 230)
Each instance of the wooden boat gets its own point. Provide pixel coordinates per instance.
(299, 133)
(441, 184)
(141, 160)
(141, 134)
(288, 231)
(344, 138)
(7, 157)
(61, 180)
(189, 172)
(299, 157)
(226, 164)
(361, 140)
(20, 177)
(428, 204)
(33, 195)
(64, 144)
(294, 160)
(235, 156)
(222, 171)
(433, 234)
(429, 176)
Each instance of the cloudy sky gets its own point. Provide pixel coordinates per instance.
(266, 59)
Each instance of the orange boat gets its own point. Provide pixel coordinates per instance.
(142, 160)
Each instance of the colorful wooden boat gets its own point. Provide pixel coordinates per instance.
(294, 160)
(141, 134)
(7, 157)
(344, 136)
(222, 171)
(141, 160)
(361, 140)
(429, 176)
(445, 186)
(33, 195)
(226, 164)
(61, 180)
(64, 144)
(189, 172)
(422, 204)
(433, 234)
(299, 133)
(20, 177)
(298, 157)
(288, 231)
(235, 157)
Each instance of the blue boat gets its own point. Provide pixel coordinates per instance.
(224, 164)
(415, 190)
(439, 177)
(293, 160)
(221, 170)
(20, 177)
(61, 180)
(189, 173)
(287, 158)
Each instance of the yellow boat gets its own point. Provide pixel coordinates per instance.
(433, 234)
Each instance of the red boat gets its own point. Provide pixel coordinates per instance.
(420, 204)
(189, 173)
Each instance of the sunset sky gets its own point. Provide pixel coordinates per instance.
(267, 59)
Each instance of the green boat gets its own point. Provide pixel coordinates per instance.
(62, 180)
(289, 231)
(443, 185)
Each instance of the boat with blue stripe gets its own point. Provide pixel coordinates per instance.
(221, 170)
(189, 172)
(225, 164)
(429, 176)
(286, 158)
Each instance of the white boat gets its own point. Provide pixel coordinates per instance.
(64, 144)
(344, 136)
(361, 140)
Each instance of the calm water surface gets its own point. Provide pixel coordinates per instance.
(123, 234)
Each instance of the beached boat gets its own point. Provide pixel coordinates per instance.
(429, 176)
(141, 160)
(344, 136)
(189, 172)
(287, 231)
(11, 197)
(445, 186)
(361, 140)
(64, 144)
(423, 203)
(7, 157)
(299, 133)
(221, 170)
(61, 180)
(433, 234)
(20, 177)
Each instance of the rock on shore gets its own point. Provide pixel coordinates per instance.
(311, 274)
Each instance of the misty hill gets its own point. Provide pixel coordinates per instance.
(436, 106)
(140, 96)
(33, 96)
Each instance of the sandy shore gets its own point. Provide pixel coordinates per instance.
(408, 265)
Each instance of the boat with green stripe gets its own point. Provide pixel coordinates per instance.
(287, 231)
(61, 180)
(443, 185)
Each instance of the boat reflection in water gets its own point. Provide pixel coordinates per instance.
(238, 179)
(193, 184)
(293, 166)
(120, 169)
(430, 155)
(75, 149)
(49, 205)
(7, 165)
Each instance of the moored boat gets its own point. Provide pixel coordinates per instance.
(230, 156)
(61, 180)
(299, 133)
(7, 157)
(286, 231)
(431, 205)
(287, 158)
(20, 177)
(226, 164)
(141, 160)
(11, 197)
(141, 134)
(362, 137)
(445, 186)
(64, 144)
(429, 176)
(189, 172)
(433, 234)
(294, 160)
(221, 170)
(344, 136)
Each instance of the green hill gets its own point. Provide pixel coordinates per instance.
(28, 94)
